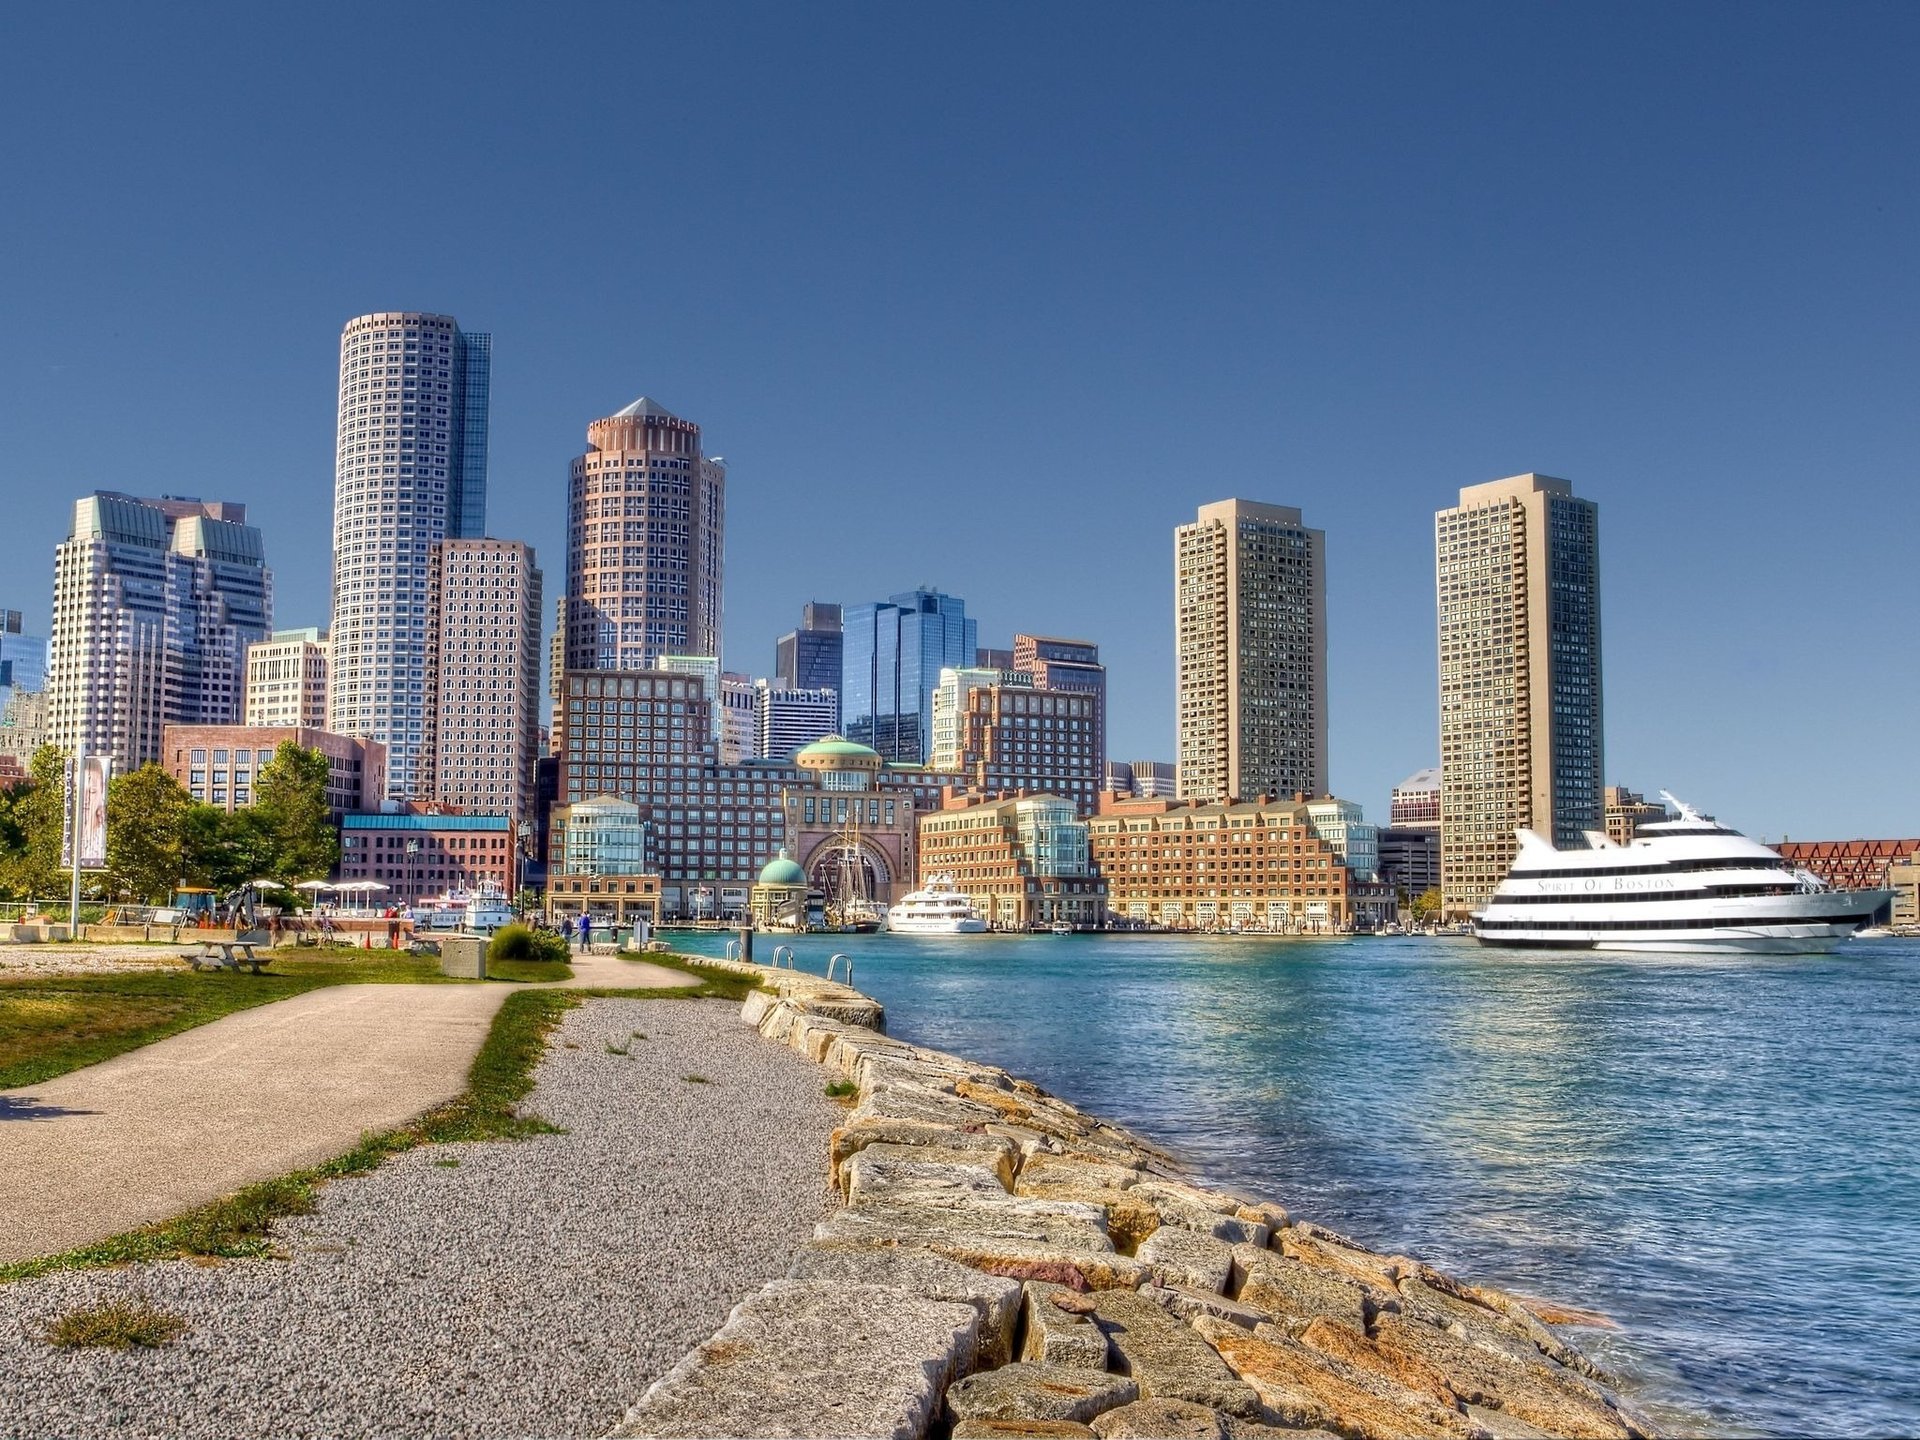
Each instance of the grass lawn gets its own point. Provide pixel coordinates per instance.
(50, 1024)
(524, 971)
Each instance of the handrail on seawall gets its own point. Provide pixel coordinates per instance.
(840, 956)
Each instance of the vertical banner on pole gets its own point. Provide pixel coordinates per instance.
(95, 772)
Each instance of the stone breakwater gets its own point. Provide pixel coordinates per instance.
(1005, 1265)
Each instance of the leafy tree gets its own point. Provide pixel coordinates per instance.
(290, 807)
(31, 869)
(223, 851)
(1425, 908)
(147, 821)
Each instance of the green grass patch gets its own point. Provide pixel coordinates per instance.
(134, 1323)
(50, 1024)
(717, 984)
(842, 1089)
(696, 1079)
(529, 972)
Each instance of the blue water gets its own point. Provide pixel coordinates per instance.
(1721, 1154)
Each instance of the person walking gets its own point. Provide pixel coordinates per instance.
(586, 933)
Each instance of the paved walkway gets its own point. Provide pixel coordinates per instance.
(152, 1133)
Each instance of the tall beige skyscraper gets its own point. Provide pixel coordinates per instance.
(1250, 630)
(483, 676)
(1518, 567)
(645, 510)
(287, 680)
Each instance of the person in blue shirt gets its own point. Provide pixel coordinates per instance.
(586, 932)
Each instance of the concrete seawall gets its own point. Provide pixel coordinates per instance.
(1006, 1265)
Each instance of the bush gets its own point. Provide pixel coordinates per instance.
(117, 1325)
(517, 942)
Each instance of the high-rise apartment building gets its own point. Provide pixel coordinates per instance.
(1250, 630)
(736, 718)
(1518, 574)
(287, 680)
(482, 736)
(1015, 739)
(1067, 666)
(948, 732)
(809, 658)
(894, 652)
(1626, 812)
(645, 521)
(154, 605)
(410, 470)
(23, 657)
(785, 721)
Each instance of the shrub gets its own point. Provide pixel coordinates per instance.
(517, 942)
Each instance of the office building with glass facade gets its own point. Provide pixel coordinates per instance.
(894, 651)
(809, 658)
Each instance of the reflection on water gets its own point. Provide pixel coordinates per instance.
(1719, 1152)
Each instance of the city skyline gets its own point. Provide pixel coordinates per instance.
(1374, 324)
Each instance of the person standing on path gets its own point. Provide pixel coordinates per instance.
(586, 933)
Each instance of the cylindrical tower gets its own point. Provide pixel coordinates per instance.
(410, 469)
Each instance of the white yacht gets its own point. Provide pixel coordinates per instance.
(486, 910)
(938, 909)
(1685, 884)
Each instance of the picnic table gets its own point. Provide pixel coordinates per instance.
(229, 954)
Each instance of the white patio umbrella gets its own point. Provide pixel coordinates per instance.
(266, 885)
(316, 885)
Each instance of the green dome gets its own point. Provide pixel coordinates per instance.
(835, 747)
(782, 870)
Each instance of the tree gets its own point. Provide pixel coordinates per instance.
(296, 823)
(147, 819)
(222, 851)
(1425, 908)
(32, 868)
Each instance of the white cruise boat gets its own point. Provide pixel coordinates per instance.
(486, 910)
(1686, 884)
(938, 909)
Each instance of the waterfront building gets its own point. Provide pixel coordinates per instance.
(1344, 827)
(1626, 812)
(155, 603)
(1011, 739)
(990, 659)
(1250, 639)
(1903, 878)
(1068, 667)
(287, 680)
(1024, 862)
(849, 810)
(482, 734)
(410, 470)
(645, 541)
(647, 736)
(1518, 575)
(219, 765)
(1410, 859)
(780, 896)
(23, 657)
(1849, 864)
(417, 856)
(1416, 801)
(786, 720)
(23, 725)
(1253, 865)
(894, 651)
(809, 658)
(599, 862)
(707, 668)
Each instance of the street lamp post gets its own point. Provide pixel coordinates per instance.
(522, 851)
(413, 849)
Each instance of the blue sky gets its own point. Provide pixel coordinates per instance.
(992, 297)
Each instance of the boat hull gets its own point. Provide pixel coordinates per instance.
(1691, 942)
(935, 927)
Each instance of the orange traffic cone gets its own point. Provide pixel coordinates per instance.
(366, 939)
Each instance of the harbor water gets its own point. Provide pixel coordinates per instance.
(1722, 1154)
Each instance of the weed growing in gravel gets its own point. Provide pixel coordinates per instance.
(842, 1089)
(696, 1079)
(620, 1049)
(117, 1325)
(447, 1164)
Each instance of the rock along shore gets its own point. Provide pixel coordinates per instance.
(1005, 1265)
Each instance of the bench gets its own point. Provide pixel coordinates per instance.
(225, 955)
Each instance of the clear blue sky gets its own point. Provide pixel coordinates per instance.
(991, 297)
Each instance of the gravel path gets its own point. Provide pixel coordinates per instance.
(534, 1289)
(87, 959)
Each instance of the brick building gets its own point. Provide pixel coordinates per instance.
(1626, 812)
(1849, 864)
(218, 764)
(419, 856)
(1246, 866)
(1025, 862)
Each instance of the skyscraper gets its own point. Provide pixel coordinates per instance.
(482, 735)
(410, 470)
(894, 653)
(1250, 630)
(645, 531)
(154, 605)
(809, 658)
(287, 680)
(1518, 572)
(786, 720)
(23, 657)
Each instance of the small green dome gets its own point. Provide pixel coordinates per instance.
(782, 870)
(837, 748)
